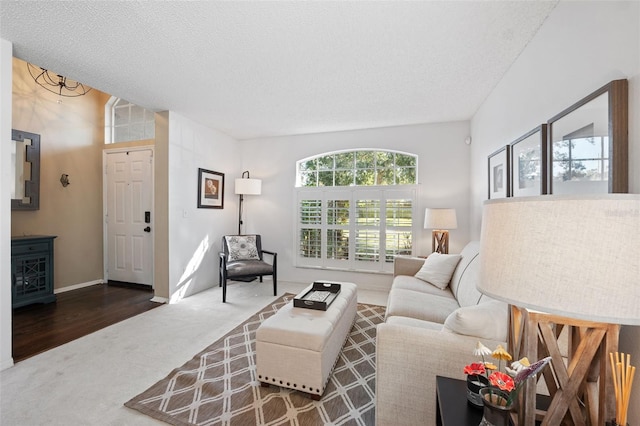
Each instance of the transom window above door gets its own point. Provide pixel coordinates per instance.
(126, 121)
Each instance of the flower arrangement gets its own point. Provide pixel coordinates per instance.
(511, 379)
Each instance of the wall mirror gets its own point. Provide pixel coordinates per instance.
(588, 144)
(25, 161)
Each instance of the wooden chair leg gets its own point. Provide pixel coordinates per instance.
(224, 290)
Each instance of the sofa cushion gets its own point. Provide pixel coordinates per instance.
(488, 320)
(421, 306)
(412, 283)
(466, 275)
(438, 269)
(412, 322)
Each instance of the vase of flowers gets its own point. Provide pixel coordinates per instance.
(496, 408)
(499, 395)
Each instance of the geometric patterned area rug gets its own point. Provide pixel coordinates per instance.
(219, 386)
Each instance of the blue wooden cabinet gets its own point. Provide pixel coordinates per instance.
(32, 270)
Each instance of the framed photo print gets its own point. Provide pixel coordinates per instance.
(499, 173)
(210, 189)
(588, 144)
(528, 163)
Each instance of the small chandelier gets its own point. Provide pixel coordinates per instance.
(56, 83)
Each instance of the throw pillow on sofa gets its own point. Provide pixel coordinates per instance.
(438, 269)
(487, 320)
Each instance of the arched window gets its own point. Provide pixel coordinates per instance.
(359, 168)
(126, 122)
(355, 209)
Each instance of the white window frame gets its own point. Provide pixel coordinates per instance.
(353, 193)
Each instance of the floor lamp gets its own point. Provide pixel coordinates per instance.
(246, 186)
(440, 220)
(568, 266)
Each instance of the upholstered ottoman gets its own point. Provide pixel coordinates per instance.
(298, 347)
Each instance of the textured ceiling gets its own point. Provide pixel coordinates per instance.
(256, 69)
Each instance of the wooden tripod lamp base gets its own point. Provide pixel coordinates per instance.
(580, 381)
(440, 241)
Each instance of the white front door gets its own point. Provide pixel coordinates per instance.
(128, 216)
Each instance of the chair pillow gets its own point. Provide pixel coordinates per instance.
(242, 247)
(438, 269)
(488, 320)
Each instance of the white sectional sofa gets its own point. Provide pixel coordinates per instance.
(431, 332)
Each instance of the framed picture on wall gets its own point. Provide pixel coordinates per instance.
(588, 144)
(210, 189)
(528, 163)
(499, 173)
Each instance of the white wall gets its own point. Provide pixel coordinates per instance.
(195, 234)
(443, 177)
(6, 57)
(581, 47)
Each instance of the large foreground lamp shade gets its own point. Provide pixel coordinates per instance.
(565, 262)
(246, 186)
(440, 220)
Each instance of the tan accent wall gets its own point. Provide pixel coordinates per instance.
(72, 141)
(161, 207)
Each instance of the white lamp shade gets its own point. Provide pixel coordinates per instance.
(575, 256)
(440, 219)
(247, 186)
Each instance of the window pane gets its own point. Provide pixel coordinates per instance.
(397, 243)
(406, 176)
(121, 134)
(310, 243)
(150, 130)
(325, 163)
(384, 176)
(337, 244)
(308, 179)
(365, 177)
(368, 212)
(399, 213)
(137, 114)
(325, 178)
(365, 159)
(403, 160)
(136, 131)
(308, 165)
(344, 178)
(345, 160)
(311, 212)
(338, 212)
(121, 115)
(367, 245)
(384, 159)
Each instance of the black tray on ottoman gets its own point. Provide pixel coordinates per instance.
(321, 295)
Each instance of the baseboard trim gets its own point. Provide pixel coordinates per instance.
(7, 364)
(159, 299)
(77, 286)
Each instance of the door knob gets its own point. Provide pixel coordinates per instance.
(147, 229)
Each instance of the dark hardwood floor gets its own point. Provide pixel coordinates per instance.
(76, 313)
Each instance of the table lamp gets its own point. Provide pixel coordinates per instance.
(567, 263)
(440, 220)
(246, 186)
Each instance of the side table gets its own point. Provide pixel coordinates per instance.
(452, 407)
